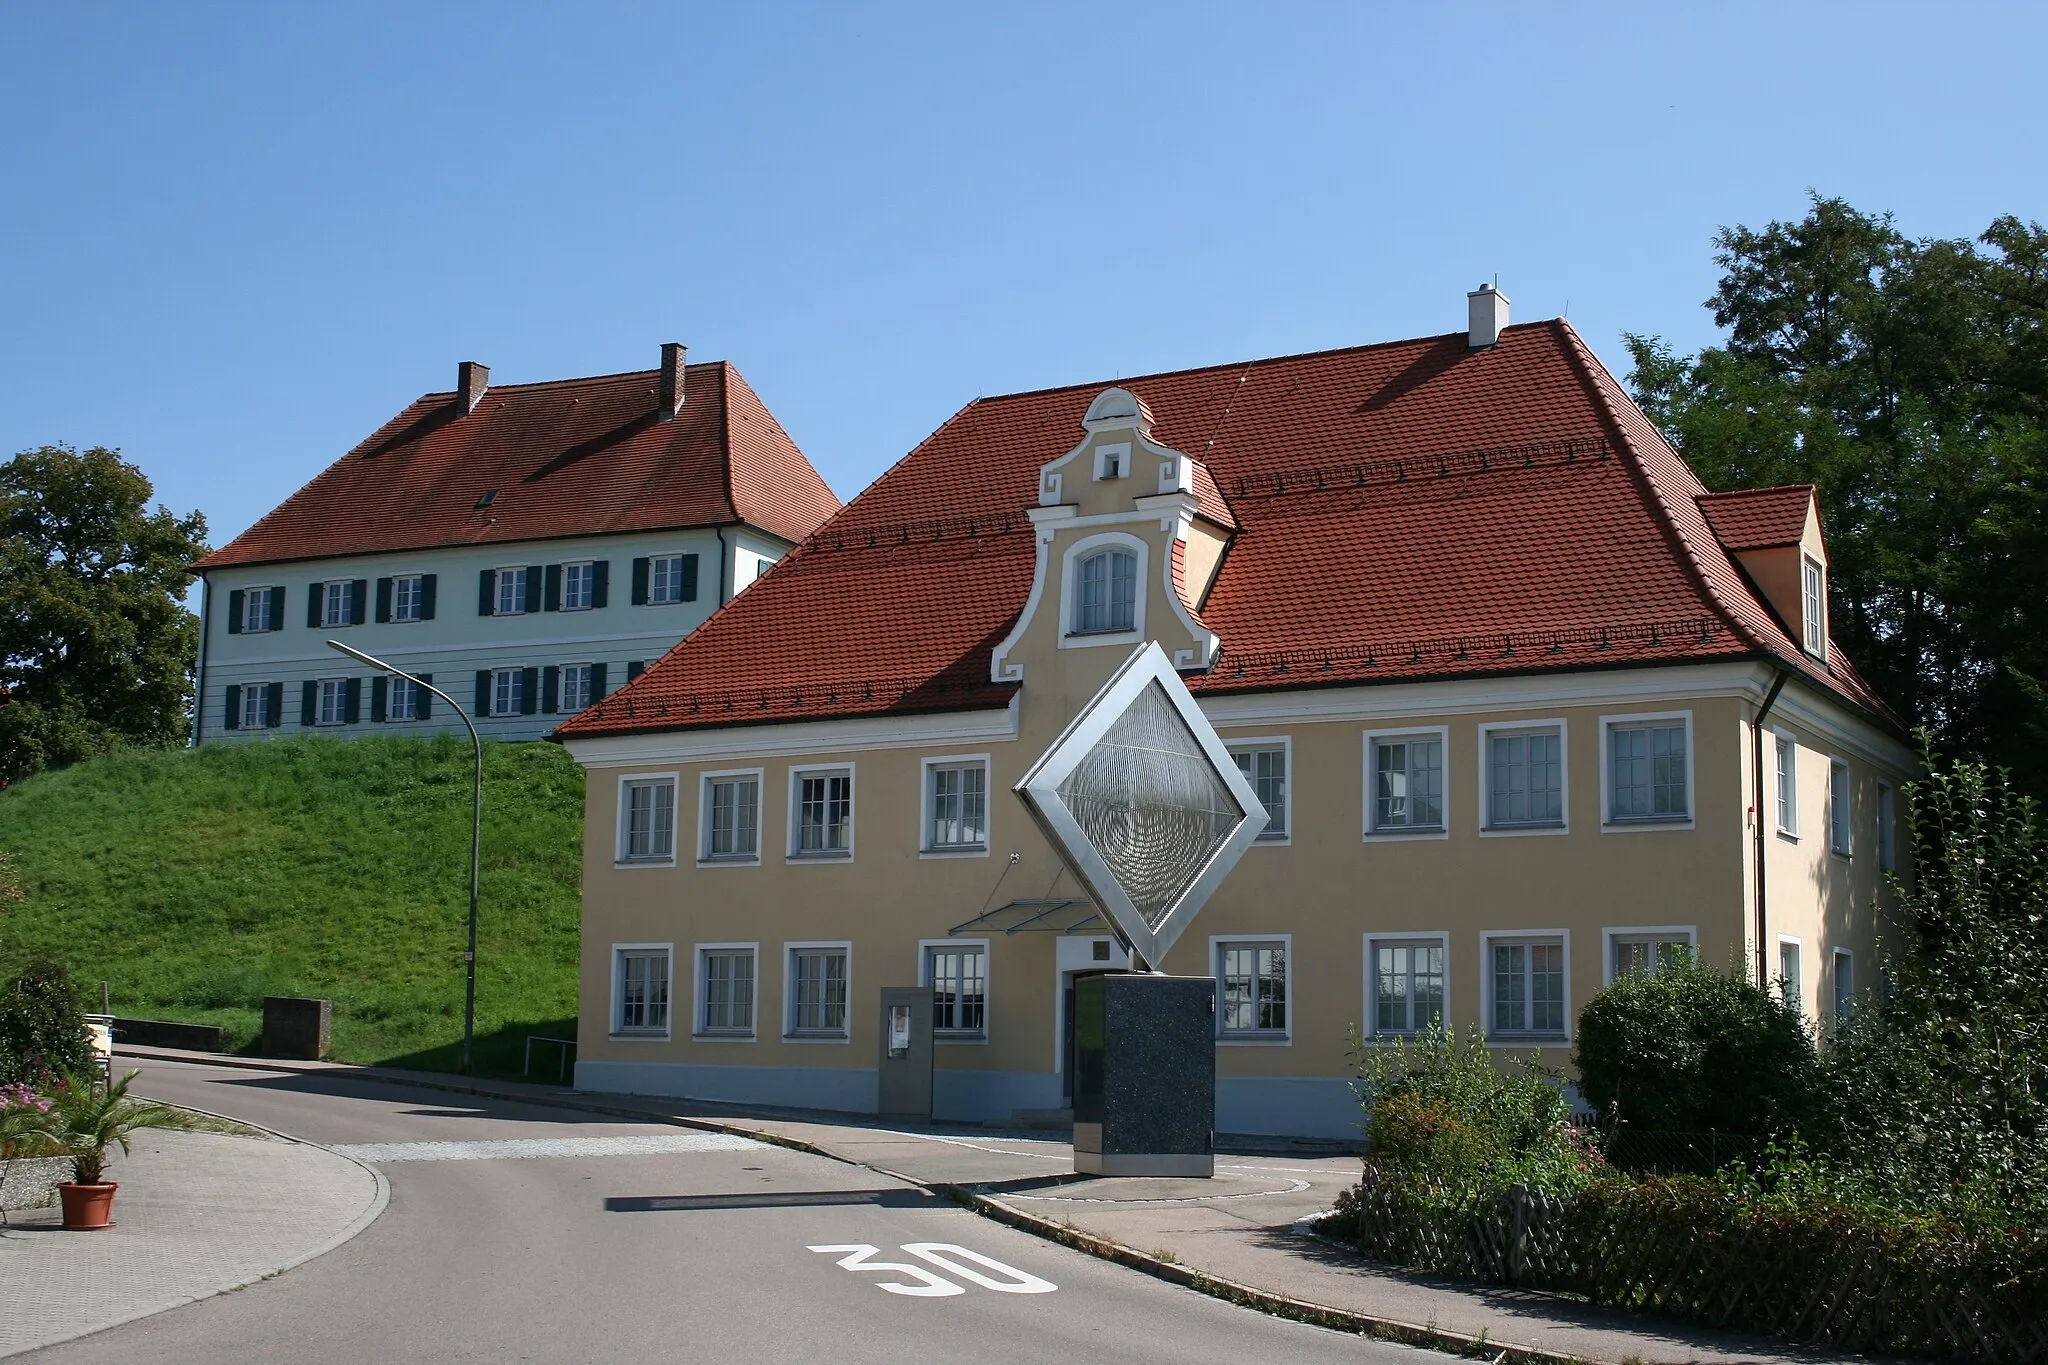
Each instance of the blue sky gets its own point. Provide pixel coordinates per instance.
(234, 239)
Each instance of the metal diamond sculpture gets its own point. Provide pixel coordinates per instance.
(1144, 803)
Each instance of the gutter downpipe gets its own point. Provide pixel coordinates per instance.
(724, 553)
(199, 686)
(1756, 809)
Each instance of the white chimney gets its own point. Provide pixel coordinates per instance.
(1486, 308)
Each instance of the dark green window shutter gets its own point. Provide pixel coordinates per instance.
(274, 709)
(309, 702)
(552, 599)
(600, 581)
(483, 692)
(635, 669)
(529, 691)
(427, 596)
(377, 691)
(640, 582)
(486, 591)
(535, 575)
(233, 720)
(596, 681)
(423, 700)
(352, 701)
(550, 688)
(689, 593)
(277, 608)
(383, 601)
(313, 596)
(235, 611)
(359, 601)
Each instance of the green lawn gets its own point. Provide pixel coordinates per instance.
(198, 882)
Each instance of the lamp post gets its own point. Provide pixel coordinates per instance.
(476, 834)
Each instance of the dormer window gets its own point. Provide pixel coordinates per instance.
(1106, 592)
(1814, 608)
(1112, 462)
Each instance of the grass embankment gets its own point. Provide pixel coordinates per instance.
(198, 882)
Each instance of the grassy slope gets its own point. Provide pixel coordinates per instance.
(198, 882)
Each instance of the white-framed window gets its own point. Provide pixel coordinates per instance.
(821, 812)
(1842, 973)
(640, 989)
(1407, 985)
(1254, 977)
(255, 706)
(730, 819)
(408, 597)
(402, 700)
(579, 586)
(1113, 461)
(1791, 977)
(818, 982)
(1522, 776)
(725, 989)
(957, 972)
(647, 819)
(664, 580)
(512, 585)
(1264, 763)
(956, 804)
(1785, 758)
(1647, 769)
(1404, 781)
(508, 691)
(1528, 986)
(1841, 806)
(330, 702)
(1814, 606)
(1648, 950)
(1106, 592)
(256, 614)
(334, 602)
(572, 688)
(1887, 828)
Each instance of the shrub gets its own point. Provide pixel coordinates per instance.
(1689, 1049)
(42, 1027)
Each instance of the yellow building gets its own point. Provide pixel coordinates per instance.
(1510, 682)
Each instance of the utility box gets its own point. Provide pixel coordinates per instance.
(296, 1028)
(1144, 1074)
(904, 1085)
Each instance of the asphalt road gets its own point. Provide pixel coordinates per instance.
(579, 1255)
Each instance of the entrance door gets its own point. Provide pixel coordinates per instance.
(1075, 954)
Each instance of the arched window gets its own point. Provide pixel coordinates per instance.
(1106, 592)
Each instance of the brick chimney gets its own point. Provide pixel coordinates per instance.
(1486, 312)
(674, 355)
(471, 379)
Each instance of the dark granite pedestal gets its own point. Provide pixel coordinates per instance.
(1145, 1075)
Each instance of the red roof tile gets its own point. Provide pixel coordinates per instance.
(1758, 518)
(573, 457)
(1416, 509)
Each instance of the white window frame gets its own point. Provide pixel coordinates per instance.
(792, 853)
(928, 849)
(1399, 833)
(327, 595)
(1641, 933)
(1785, 785)
(1563, 823)
(321, 710)
(1285, 744)
(498, 582)
(250, 597)
(1797, 998)
(1070, 583)
(699, 1029)
(1113, 461)
(619, 1033)
(255, 699)
(1254, 1037)
(621, 856)
(516, 689)
(1887, 827)
(675, 585)
(1813, 606)
(789, 953)
(704, 781)
(1842, 820)
(561, 698)
(1640, 824)
(589, 568)
(414, 691)
(1524, 1040)
(959, 1037)
(1373, 942)
(419, 588)
(1836, 995)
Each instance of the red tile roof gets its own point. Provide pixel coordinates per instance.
(1758, 518)
(1417, 509)
(574, 457)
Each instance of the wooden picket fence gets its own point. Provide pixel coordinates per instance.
(1680, 1249)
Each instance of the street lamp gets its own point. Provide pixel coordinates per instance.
(476, 834)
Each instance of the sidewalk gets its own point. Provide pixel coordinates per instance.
(198, 1214)
(1234, 1235)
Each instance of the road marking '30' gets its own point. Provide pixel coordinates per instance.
(992, 1274)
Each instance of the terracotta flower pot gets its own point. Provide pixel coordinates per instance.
(87, 1208)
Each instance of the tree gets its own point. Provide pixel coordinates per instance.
(1907, 380)
(96, 646)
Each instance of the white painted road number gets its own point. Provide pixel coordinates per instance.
(993, 1274)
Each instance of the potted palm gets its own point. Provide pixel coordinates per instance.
(85, 1122)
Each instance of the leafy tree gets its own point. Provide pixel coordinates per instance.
(1908, 380)
(1689, 1049)
(42, 1026)
(96, 647)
